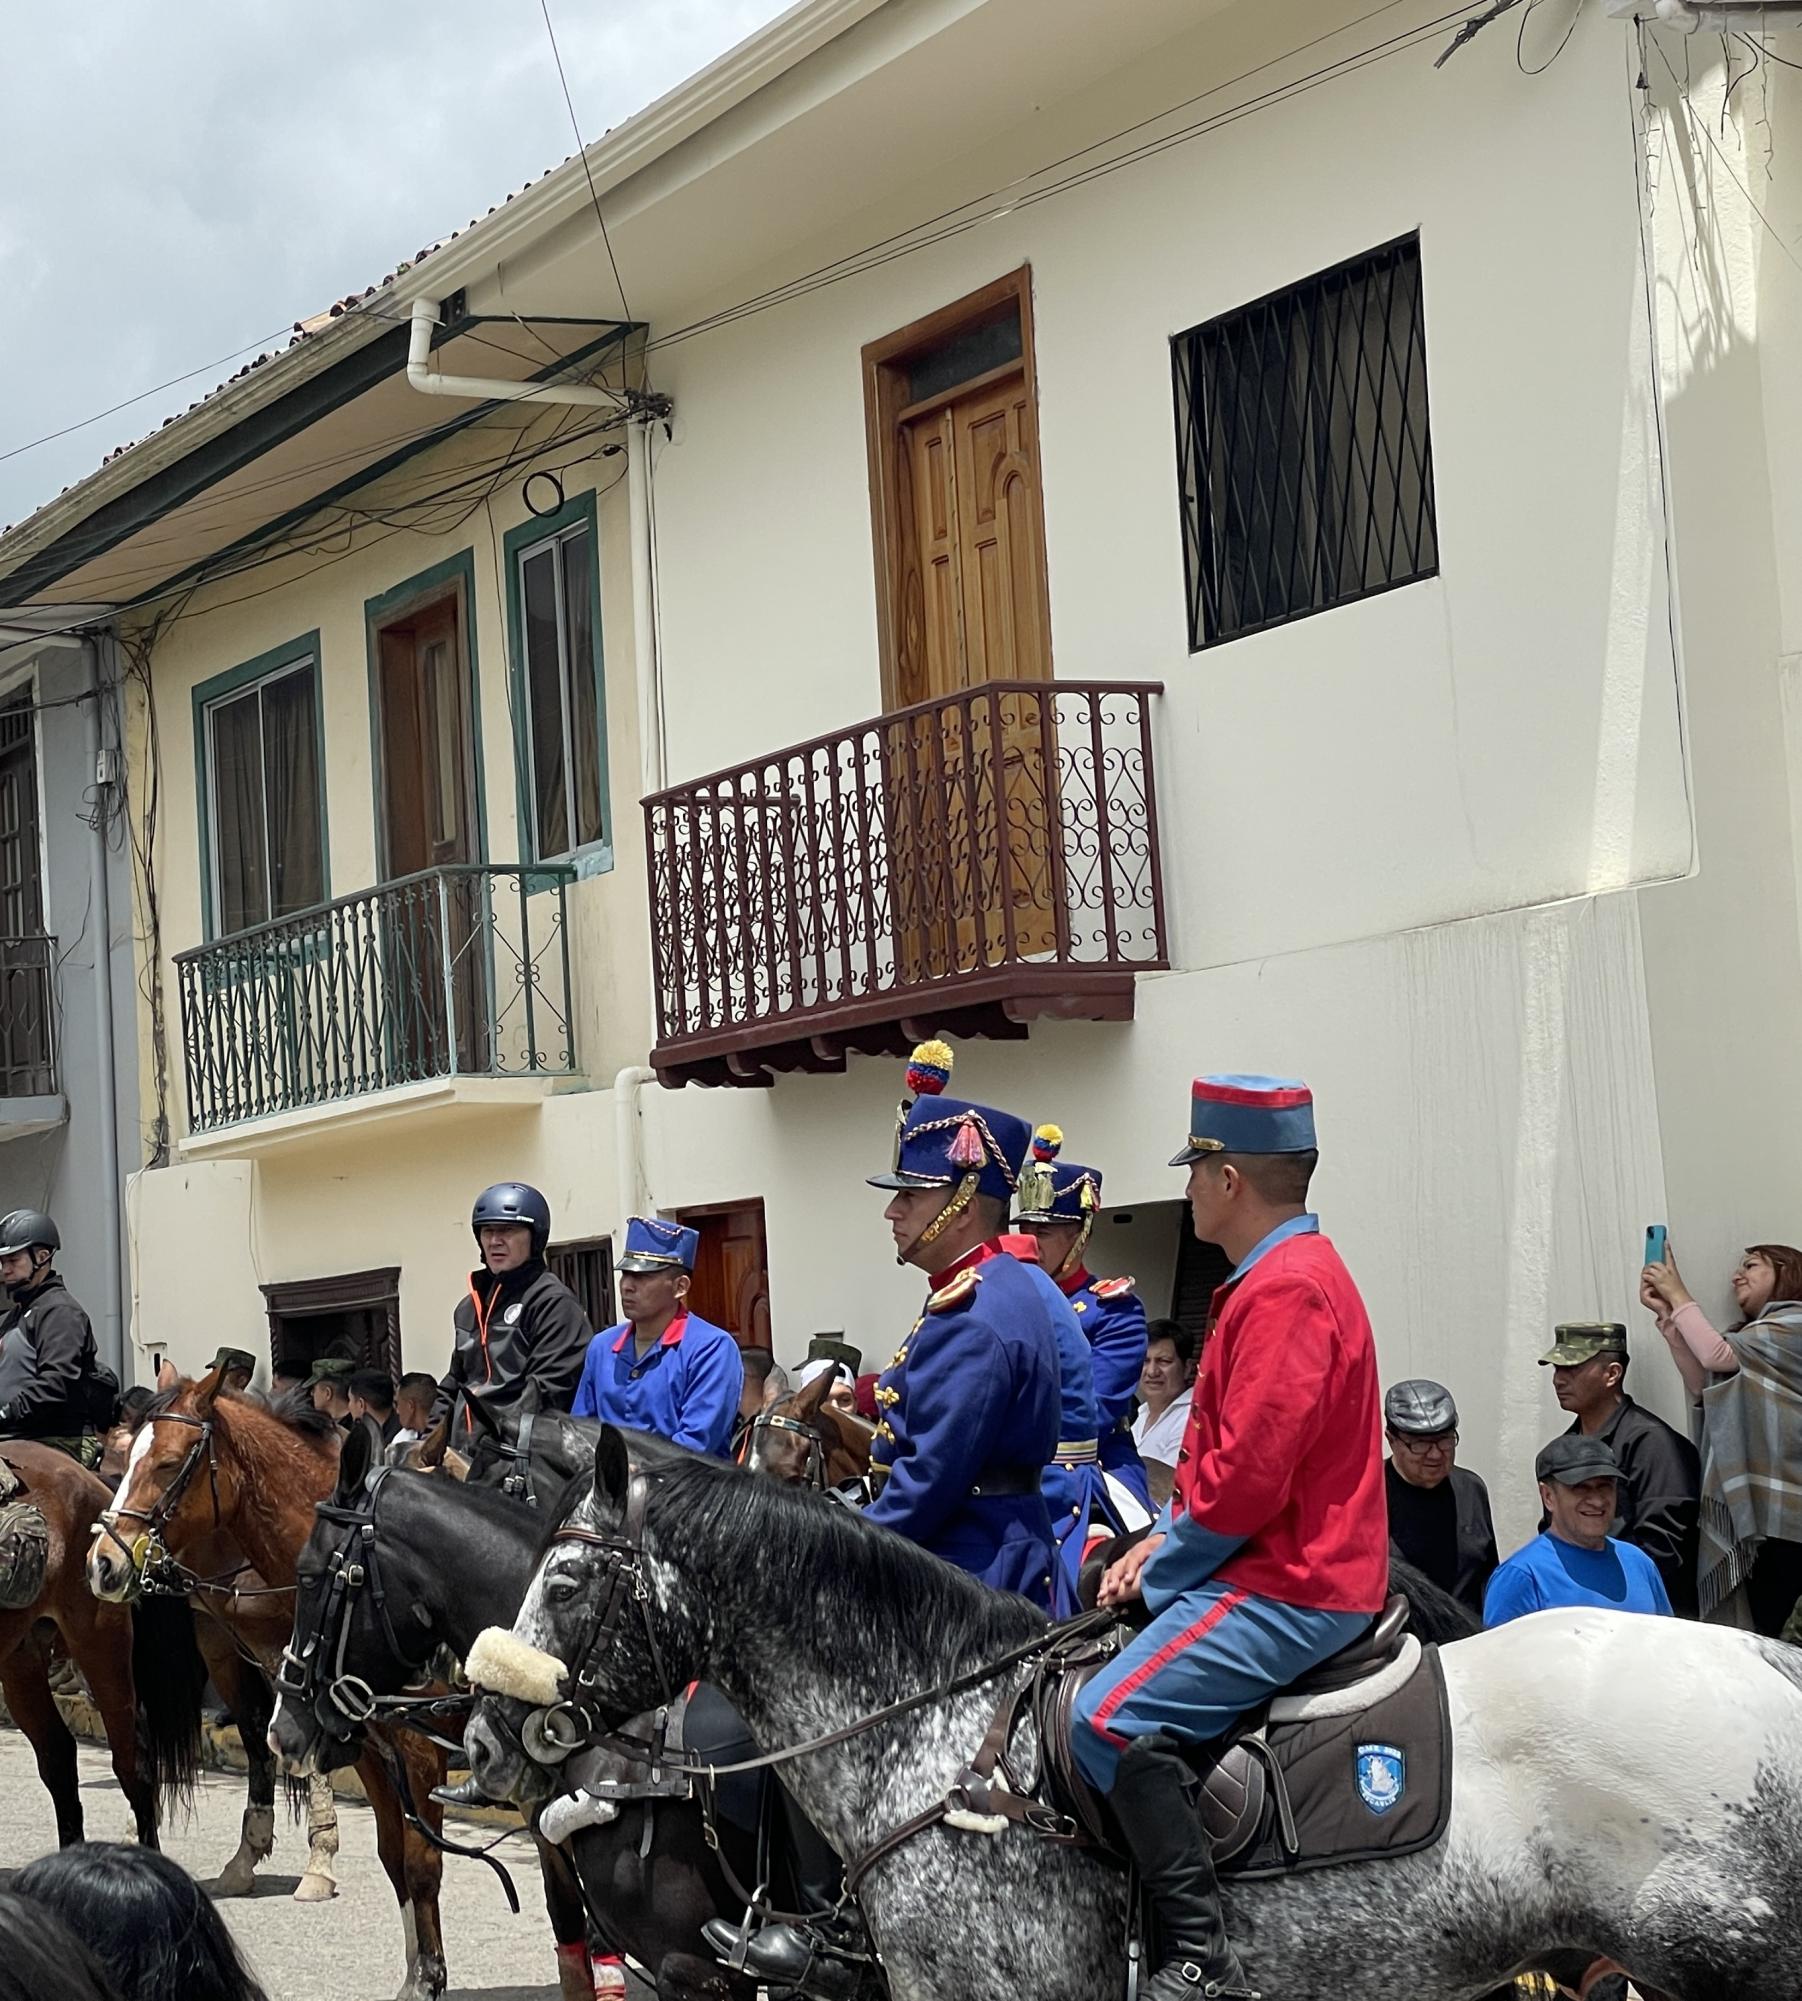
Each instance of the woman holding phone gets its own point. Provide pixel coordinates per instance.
(1748, 1382)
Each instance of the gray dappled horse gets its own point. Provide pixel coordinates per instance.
(1592, 1816)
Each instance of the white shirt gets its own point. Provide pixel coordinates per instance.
(1161, 1438)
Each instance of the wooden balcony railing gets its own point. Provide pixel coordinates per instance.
(27, 1017)
(966, 865)
(454, 972)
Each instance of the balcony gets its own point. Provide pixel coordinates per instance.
(30, 1096)
(448, 986)
(964, 866)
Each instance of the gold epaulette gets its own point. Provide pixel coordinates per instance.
(1114, 1288)
(954, 1292)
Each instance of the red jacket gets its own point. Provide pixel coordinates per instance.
(1284, 1444)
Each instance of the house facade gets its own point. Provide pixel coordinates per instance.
(1142, 541)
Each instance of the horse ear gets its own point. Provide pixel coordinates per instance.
(206, 1392)
(612, 1469)
(354, 1461)
(807, 1404)
(429, 1450)
(484, 1417)
(167, 1375)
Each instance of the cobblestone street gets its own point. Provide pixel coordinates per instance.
(347, 1950)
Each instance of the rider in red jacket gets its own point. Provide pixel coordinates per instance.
(1273, 1554)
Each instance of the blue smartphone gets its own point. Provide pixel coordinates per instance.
(1656, 1245)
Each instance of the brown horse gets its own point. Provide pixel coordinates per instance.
(808, 1442)
(165, 1684)
(210, 1467)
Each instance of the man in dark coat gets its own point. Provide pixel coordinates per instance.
(47, 1355)
(1660, 1470)
(1439, 1517)
(518, 1323)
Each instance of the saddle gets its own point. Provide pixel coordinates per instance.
(24, 1542)
(1352, 1761)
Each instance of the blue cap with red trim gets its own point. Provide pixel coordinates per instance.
(1248, 1115)
(652, 1244)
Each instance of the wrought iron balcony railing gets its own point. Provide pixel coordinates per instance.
(454, 972)
(27, 1017)
(970, 863)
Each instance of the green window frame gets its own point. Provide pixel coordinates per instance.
(558, 699)
(296, 658)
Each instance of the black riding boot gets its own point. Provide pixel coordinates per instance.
(826, 1958)
(465, 1793)
(1154, 1801)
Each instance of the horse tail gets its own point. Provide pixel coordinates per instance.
(1435, 1615)
(171, 1678)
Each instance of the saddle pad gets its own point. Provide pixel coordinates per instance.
(24, 1555)
(1375, 1783)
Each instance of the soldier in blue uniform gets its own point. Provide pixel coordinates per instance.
(967, 1411)
(663, 1369)
(1059, 1200)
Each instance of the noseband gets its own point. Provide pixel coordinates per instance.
(343, 1703)
(158, 1572)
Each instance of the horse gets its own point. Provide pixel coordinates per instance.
(1591, 1817)
(209, 1466)
(458, 1558)
(139, 1664)
(804, 1440)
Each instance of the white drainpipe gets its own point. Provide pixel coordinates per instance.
(630, 1181)
(489, 388)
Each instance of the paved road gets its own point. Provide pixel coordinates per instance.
(347, 1950)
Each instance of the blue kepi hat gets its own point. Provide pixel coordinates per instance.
(654, 1245)
(1248, 1115)
(940, 1140)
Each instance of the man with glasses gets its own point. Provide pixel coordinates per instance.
(1439, 1517)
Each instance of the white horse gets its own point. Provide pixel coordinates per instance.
(1623, 1788)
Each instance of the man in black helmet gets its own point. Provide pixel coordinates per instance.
(48, 1365)
(518, 1323)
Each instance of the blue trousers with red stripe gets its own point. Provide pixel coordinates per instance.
(1210, 1655)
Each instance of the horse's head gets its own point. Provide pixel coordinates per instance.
(595, 1641)
(362, 1627)
(176, 1487)
(809, 1439)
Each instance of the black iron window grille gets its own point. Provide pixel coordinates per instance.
(1303, 450)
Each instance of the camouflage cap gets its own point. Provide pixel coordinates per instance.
(1580, 1341)
(235, 1358)
(332, 1369)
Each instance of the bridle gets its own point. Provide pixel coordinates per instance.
(340, 1702)
(768, 1420)
(158, 1572)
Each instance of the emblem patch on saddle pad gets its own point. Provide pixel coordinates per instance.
(1382, 1776)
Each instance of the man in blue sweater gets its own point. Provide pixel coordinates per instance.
(1575, 1561)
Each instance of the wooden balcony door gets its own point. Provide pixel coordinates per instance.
(731, 1285)
(428, 821)
(961, 544)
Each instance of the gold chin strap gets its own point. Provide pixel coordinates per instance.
(961, 1198)
(1076, 1249)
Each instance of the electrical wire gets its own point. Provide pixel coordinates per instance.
(581, 148)
(1700, 125)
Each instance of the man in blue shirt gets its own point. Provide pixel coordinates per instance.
(1575, 1561)
(663, 1369)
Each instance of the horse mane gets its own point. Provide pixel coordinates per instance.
(856, 1573)
(292, 1413)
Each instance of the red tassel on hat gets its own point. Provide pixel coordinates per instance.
(966, 1146)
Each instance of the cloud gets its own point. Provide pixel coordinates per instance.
(180, 180)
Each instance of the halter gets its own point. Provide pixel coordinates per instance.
(343, 1704)
(158, 1572)
(769, 1420)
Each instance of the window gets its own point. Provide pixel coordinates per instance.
(587, 1269)
(559, 722)
(1303, 451)
(263, 791)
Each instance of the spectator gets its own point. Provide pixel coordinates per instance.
(760, 1371)
(1660, 1473)
(144, 1918)
(1165, 1381)
(236, 1366)
(1574, 1560)
(1751, 1532)
(414, 1396)
(371, 1393)
(329, 1386)
(42, 1959)
(1439, 1517)
(284, 1383)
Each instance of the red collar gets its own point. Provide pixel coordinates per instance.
(672, 1334)
(1076, 1281)
(1022, 1247)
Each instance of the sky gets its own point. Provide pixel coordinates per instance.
(188, 177)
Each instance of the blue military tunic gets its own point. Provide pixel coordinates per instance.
(971, 1398)
(686, 1388)
(1113, 1319)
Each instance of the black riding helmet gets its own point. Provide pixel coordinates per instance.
(513, 1202)
(29, 1229)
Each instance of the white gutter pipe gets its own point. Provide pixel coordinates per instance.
(489, 388)
(630, 1181)
(652, 762)
(111, 1304)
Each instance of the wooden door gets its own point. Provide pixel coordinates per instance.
(428, 821)
(970, 783)
(731, 1285)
